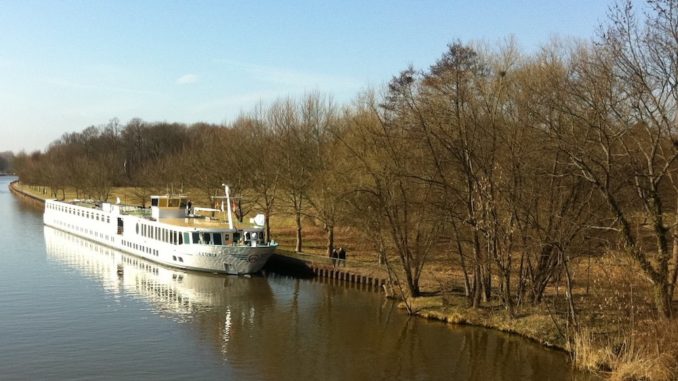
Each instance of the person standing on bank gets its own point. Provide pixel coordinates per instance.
(342, 255)
(334, 255)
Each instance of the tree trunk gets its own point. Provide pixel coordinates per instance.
(297, 218)
(662, 300)
(467, 284)
(268, 228)
(330, 239)
(521, 280)
(462, 262)
(477, 273)
(487, 282)
(568, 294)
(412, 284)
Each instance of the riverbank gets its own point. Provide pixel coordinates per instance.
(605, 342)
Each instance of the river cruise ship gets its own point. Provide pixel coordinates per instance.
(170, 232)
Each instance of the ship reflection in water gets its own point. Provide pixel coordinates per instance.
(216, 304)
(278, 328)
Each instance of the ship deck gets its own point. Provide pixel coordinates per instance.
(196, 222)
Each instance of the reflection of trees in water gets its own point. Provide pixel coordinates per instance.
(281, 328)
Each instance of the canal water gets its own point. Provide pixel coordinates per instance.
(66, 313)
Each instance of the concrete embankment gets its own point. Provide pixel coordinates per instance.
(16, 188)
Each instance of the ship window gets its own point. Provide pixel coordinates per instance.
(196, 237)
(137, 228)
(174, 257)
(217, 238)
(181, 259)
(187, 238)
(206, 238)
(236, 237)
(181, 239)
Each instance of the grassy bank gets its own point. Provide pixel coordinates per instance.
(616, 336)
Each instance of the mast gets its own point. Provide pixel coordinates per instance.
(228, 207)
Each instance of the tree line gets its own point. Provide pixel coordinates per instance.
(6, 160)
(515, 164)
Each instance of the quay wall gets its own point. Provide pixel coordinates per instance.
(290, 263)
(15, 188)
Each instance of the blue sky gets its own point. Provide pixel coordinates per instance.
(66, 65)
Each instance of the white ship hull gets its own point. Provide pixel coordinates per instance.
(104, 226)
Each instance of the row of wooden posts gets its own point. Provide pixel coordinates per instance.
(346, 276)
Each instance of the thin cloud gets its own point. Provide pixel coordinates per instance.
(289, 77)
(237, 100)
(75, 85)
(187, 79)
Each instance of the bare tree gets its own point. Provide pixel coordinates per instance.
(621, 130)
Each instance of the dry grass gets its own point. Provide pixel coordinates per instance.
(648, 352)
